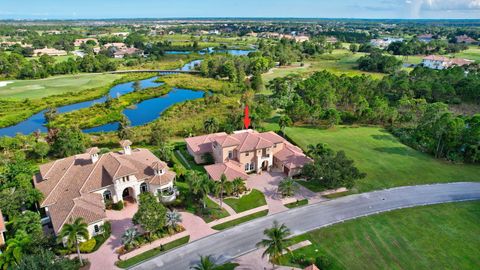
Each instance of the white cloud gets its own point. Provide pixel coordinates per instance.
(417, 6)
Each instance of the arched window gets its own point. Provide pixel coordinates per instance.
(96, 228)
(143, 188)
(107, 195)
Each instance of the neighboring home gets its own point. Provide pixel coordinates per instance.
(3, 230)
(465, 39)
(53, 32)
(81, 185)
(127, 52)
(251, 34)
(425, 38)
(49, 51)
(311, 267)
(120, 34)
(214, 32)
(384, 42)
(301, 39)
(443, 62)
(246, 151)
(80, 41)
(12, 43)
(331, 40)
(117, 45)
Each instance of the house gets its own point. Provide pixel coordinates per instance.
(311, 267)
(79, 41)
(443, 62)
(126, 52)
(331, 39)
(384, 42)
(117, 45)
(301, 39)
(82, 185)
(3, 229)
(246, 151)
(425, 38)
(465, 39)
(120, 34)
(49, 51)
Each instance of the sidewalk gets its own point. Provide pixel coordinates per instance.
(239, 215)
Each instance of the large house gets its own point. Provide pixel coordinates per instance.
(465, 39)
(384, 42)
(79, 41)
(49, 51)
(246, 151)
(81, 185)
(443, 62)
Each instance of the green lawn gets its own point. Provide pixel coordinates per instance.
(445, 236)
(152, 253)
(472, 53)
(387, 162)
(35, 89)
(237, 221)
(253, 200)
(297, 203)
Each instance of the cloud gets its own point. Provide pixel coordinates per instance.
(417, 6)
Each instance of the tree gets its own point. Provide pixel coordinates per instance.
(287, 187)
(238, 186)
(150, 214)
(257, 82)
(29, 222)
(276, 242)
(284, 121)
(124, 130)
(220, 188)
(73, 233)
(159, 134)
(41, 149)
(172, 219)
(47, 260)
(203, 186)
(211, 125)
(206, 263)
(318, 150)
(129, 238)
(68, 142)
(15, 250)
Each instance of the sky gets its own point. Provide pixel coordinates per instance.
(104, 9)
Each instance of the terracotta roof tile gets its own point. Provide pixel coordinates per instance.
(2, 223)
(163, 179)
(202, 144)
(231, 170)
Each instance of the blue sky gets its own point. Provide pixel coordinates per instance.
(95, 9)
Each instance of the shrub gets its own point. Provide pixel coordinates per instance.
(88, 246)
(118, 206)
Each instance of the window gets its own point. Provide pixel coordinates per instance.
(247, 166)
(230, 154)
(143, 188)
(96, 228)
(107, 195)
(274, 145)
(252, 166)
(247, 154)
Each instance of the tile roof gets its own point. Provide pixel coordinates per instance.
(202, 144)
(67, 183)
(2, 223)
(292, 156)
(162, 179)
(231, 169)
(311, 267)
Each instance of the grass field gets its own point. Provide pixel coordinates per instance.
(472, 53)
(387, 162)
(445, 236)
(252, 200)
(35, 89)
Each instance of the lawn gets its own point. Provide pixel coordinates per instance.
(297, 203)
(237, 221)
(472, 53)
(387, 162)
(36, 89)
(444, 236)
(152, 253)
(252, 200)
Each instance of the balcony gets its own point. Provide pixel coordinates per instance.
(168, 195)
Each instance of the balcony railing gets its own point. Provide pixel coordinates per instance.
(168, 195)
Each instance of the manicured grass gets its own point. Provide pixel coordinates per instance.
(297, 203)
(386, 161)
(252, 200)
(227, 266)
(237, 221)
(35, 89)
(190, 164)
(472, 53)
(152, 253)
(444, 236)
(311, 185)
(188, 81)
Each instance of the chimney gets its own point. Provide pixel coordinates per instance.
(158, 167)
(126, 147)
(93, 153)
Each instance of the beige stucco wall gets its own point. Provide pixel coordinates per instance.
(91, 228)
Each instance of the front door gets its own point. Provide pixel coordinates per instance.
(126, 193)
(265, 165)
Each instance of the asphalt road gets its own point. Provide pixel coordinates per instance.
(241, 239)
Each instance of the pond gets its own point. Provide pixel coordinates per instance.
(37, 121)
(212, 50)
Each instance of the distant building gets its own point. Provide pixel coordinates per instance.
(3, 229)
(120, 34)
(443, 62)
(465, 39)
(80, 41)
(384, 42)
(425, 38)
(49, 51)
(127, 52)
(117, 45)
(214, 32)
(301, 38)
(331, 39)
(53, 32)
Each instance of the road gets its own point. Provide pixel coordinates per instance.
(239, 240)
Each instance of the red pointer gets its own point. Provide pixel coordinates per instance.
(246, 119)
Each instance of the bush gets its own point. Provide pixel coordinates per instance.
(88, 246)
(118, 206)
(323, 262)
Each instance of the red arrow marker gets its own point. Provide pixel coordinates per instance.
(246, 118)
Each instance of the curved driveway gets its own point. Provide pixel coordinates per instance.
(241, 239)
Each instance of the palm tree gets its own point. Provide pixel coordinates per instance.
(284, 122)
(318, 150)
(221, 186)
(15, 250)
(203, 185)
(172, 218)
(206, 263)
(211, 125)
(238, 186)
(74, 233)
(287, 187)
(129, 237)
(228, 189)
(276, 242)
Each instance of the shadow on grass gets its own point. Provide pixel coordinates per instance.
(384, 138)
(395, 150)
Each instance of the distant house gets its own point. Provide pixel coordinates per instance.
(425, 38)
(443, 62)
(465, 39)
(49, 51)
(384, 42)
(214, 32)
(53, 32)
(246, 151)
(117, 45)
(127, 52)
(120, 34)
(301, 39)
(82, 185)
(3, 229)
(331, 40)
(78, 42)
